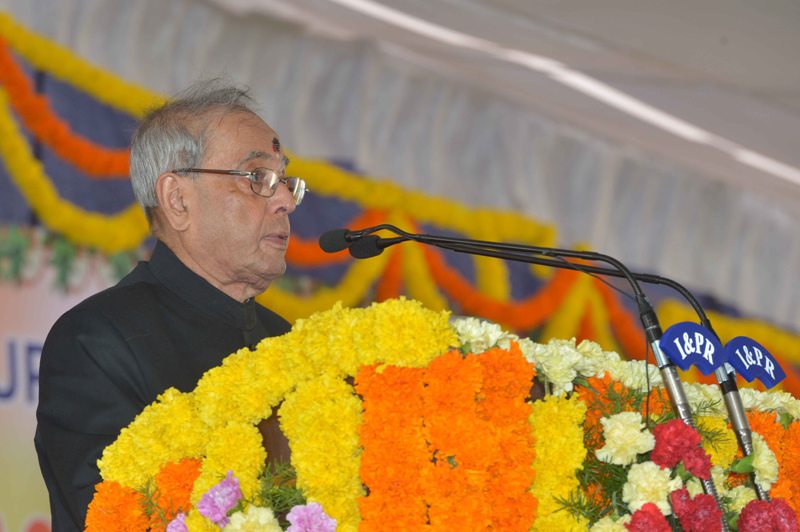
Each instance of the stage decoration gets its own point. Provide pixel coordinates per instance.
(39, 118)
(562, 306)
(110, 234)
(363, 404)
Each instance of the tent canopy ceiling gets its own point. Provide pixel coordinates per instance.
(728, 68)
(662, 133)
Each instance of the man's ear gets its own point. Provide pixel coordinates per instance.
(172, 191)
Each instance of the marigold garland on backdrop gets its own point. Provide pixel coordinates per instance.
(564, 305)
(434, 427)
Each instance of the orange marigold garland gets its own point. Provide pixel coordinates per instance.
(395, 457)
(173, 488)
(788, 485)
(116, 507)
(447, 447)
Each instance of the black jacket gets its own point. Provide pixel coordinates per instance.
(106, 359)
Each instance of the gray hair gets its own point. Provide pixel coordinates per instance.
(173, 135)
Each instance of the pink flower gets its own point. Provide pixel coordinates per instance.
(763, 515)
(700, 514)
(178, 524)
(220, 499)
(310, 518)
(648, 518)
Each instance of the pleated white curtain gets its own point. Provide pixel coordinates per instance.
(395, 119)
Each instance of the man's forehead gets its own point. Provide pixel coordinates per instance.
(260, 154)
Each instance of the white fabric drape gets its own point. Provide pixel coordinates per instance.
(395, 119)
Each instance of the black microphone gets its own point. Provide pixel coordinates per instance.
(372, 246)
(339, 239)
(334, 240)
(522, 253)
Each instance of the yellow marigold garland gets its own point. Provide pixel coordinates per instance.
(557, 423)
(108, 233)
(327, 467)
(229, 399)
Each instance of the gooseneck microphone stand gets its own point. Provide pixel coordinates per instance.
(364, 245)
(726, 378)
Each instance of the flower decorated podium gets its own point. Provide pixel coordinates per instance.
(400, 419)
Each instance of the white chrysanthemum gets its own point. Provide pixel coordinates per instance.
(765, 465)
(632, 374)
(254, 519)
(720, 478)
(556, 363)
(595, 361)
(625, 438)
(647, 482)
(778, 401)
(740, 496)
(694, 487)
(526, 345)
(607, 524)
(793, 408)
(706, 395)
(477, 335)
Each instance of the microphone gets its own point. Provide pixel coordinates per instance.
(334, 240)
(338, 239)
(522, 253)
(372, 245)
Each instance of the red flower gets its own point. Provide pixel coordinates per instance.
(764, 515)
(698, 463)
(674, 439)
(648, 518)
(700, 514)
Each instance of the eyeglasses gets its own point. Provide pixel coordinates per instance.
(263, 181)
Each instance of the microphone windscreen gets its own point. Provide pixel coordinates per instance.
(366, 247)
(334, 240)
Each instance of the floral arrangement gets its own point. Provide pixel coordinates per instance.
(435, 429)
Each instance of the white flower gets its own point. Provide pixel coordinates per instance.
(607, 524)
(647, 482)
(254, 519)
(595, 361)
(720, 478)
(706, 395)
(624, 439)
(765, 465)
(477, 335)
(556, 363)
(694, 487)
(778, 401)
(632, 374)
(740, 496)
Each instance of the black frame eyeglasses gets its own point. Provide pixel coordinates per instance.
(263, 181)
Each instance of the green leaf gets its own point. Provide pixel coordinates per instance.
(743, 465)
(63, 259)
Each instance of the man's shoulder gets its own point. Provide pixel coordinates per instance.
(125, 299)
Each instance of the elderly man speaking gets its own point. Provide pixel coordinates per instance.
(211, 176)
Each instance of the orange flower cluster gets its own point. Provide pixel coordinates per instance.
(173, 488)
(784, 443)
(605, 396)
(35, 112)
(448, 447)
(115, 507)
